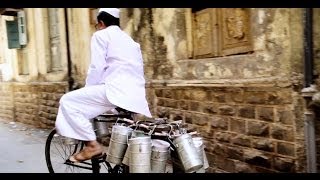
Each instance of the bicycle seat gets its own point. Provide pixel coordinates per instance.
(123, 111)
(117, 113)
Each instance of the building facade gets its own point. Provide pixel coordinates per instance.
(235, 75)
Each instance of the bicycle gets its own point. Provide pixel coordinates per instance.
(58, 148)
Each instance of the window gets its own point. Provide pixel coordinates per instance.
(22, 28)
(205, 33)
(16, 31)
(235, 31)
(220, 32)
(13, 34)
(17, 37)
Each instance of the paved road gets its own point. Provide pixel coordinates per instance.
(22, 148)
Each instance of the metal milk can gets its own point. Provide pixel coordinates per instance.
(118, 144)
(187, 152)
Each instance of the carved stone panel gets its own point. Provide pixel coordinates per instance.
(205, 33)
(234, 31)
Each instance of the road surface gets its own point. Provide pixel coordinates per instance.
(22, 148)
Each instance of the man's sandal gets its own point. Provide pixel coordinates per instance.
(75, 158)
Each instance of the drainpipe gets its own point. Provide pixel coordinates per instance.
(70, 79)
(308, 48)
(308, 91)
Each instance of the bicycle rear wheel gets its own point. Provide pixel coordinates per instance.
(57, 152)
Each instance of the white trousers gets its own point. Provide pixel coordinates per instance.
(76, 110)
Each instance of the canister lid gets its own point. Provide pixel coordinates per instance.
(140, 140)
(160, 144)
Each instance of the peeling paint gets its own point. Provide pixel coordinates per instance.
(163, 26)
(216, 70)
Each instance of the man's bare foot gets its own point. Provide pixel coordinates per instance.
(93, 148)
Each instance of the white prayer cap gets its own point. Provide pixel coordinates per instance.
(112, 11)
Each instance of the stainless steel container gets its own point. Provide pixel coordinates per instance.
(135, 133)
(140, 154)
(200, 148)
(159, 155)
(101, 128)
(118, 144)
(125, 160)
(70, 141)
(187, 152)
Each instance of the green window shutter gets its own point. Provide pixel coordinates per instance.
(22, 28)
(13, 34)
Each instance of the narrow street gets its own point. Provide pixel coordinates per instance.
(22, 148)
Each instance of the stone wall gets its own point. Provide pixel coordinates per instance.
(49, 96)
(246, 129)
(6, 101)
(316, 48)
(31, 103)
(247, 104)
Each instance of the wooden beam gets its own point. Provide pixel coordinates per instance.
(9, 11)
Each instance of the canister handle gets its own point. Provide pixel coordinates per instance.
(152, 130)
(137, 125)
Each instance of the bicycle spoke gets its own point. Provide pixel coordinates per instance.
(69, 147)
(57, 149)
(105, 167)
(69, 167)
(59, 152)
(61, 144)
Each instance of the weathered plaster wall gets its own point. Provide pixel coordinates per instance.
(80, 33)
(33, 98)
(270, 32)
(316, 39)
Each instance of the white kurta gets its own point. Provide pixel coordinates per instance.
(115, 78)
(116, 60)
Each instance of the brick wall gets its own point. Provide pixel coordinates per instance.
(246, 129)
(49, 96)
(32, 103)
(6, 101)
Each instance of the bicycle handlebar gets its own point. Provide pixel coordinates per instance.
(128, 120)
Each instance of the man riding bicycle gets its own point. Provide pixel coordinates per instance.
(115, 78)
